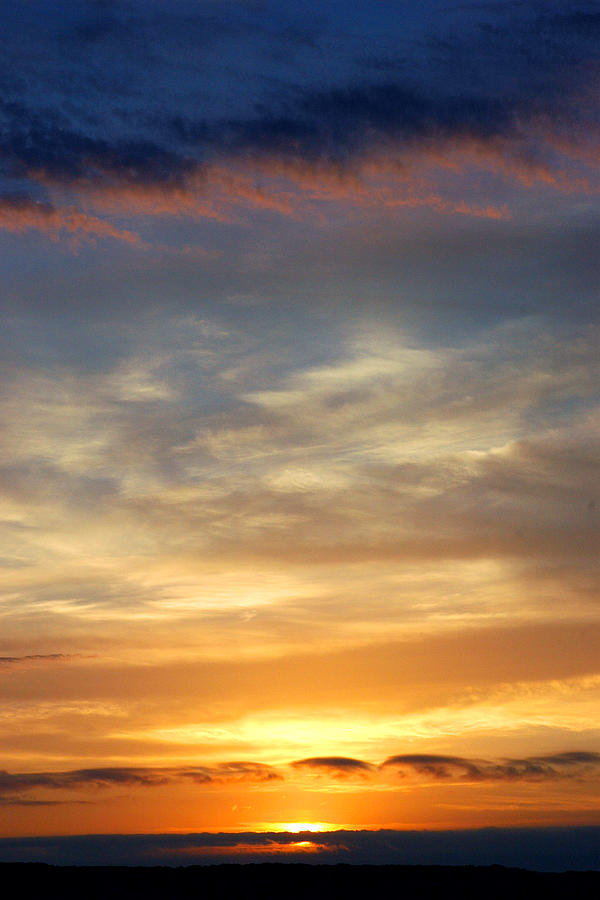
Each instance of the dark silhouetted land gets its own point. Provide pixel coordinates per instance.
(294, 882)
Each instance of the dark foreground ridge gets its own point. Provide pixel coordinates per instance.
(271, 881)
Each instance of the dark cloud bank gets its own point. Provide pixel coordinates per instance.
(544, 849)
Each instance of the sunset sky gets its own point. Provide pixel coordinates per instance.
(300, 423)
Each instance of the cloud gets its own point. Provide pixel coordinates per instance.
(573, 764)
(82, 778)
(21, 801)
(19, 213)
(10, 662)
(331, 124)
(338, 766)
(534, 768)
(353, 138)
(12, 786)
(234, 773)
(479, 458)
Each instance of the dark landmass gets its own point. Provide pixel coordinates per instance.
(295, 881)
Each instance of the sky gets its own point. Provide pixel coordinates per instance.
(300, 436)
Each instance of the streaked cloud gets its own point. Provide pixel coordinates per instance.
(34, 659)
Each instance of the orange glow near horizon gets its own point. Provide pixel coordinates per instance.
(272, 848)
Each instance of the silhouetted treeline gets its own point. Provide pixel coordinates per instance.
(274, 881)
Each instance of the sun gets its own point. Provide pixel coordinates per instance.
(297, 827)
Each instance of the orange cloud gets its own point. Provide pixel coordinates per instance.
(390, 174)
(19, 214)
(272, 847)
(298, 189)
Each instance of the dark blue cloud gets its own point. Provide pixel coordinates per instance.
(109, 120)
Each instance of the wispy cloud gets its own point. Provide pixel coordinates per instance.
(33, 659)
